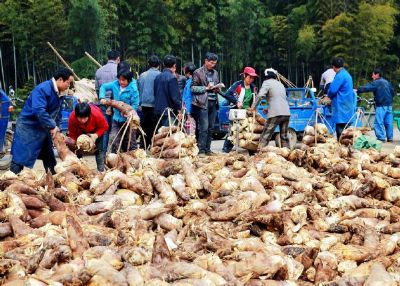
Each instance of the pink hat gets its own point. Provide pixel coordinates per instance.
(250, 71)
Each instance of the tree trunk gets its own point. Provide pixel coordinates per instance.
(200, 57)
(27, 65)
(34, 71)
(15, 64)
(192, 53)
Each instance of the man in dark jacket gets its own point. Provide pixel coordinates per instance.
(108, 72)
(146, 93)
(205, 102)
(166, 90)
(36, 124)
(383, 97)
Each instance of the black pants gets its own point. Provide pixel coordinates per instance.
(106, 135)
(205, 120)
(339, 129)
(148, 124)
(48, 158)
(269, 130)
(129, 138)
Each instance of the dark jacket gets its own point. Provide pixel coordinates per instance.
(166, 92)
(146, 87)
(232, 94)
(199, 84)
(382, 89)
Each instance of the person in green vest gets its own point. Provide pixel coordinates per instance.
(244, 90)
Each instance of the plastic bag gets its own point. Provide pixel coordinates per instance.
(190, 126)
(366, 142)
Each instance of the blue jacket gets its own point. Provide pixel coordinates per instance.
(37, 117)
(343, 98)
(187, 96)
(146, 87)
(382, 89)
(130, 96)
(166, 92)
(42, 107)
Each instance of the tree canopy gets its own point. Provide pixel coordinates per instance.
(298, 38)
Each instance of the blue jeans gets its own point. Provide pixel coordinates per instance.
(106, 134)
(205, 120)
(383, 125)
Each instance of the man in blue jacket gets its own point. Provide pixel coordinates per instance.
(36, 124)
(342, 95)
(166, 90)
(383, 97)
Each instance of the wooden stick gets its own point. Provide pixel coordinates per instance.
(63, 61)
(93, 59)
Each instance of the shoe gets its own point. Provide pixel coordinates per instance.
(210, 153)
(202, 155)
(390, 140)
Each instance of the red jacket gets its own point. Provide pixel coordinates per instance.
(96, 124)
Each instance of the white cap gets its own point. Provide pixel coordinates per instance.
(270, 70)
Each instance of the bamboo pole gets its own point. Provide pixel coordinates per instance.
(93, 59)
(63, 61)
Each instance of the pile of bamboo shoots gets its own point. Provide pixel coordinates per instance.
(84, 90)
(325, 215)
(350, 135)
(316, 134)
(173, 142)
(249, 130)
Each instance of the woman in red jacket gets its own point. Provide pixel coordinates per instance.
(88, 119)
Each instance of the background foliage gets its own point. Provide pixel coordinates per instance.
(298, 38)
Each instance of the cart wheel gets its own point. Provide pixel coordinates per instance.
(292, 139)
(5, 160)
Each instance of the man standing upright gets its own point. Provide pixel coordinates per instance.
(205, 101)
(108, 72)
(166, 90)
(146, 93)
(383, 97)
(105, 74)
(326, 79)
(278, 112)
(342, 95)
(36, 124)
